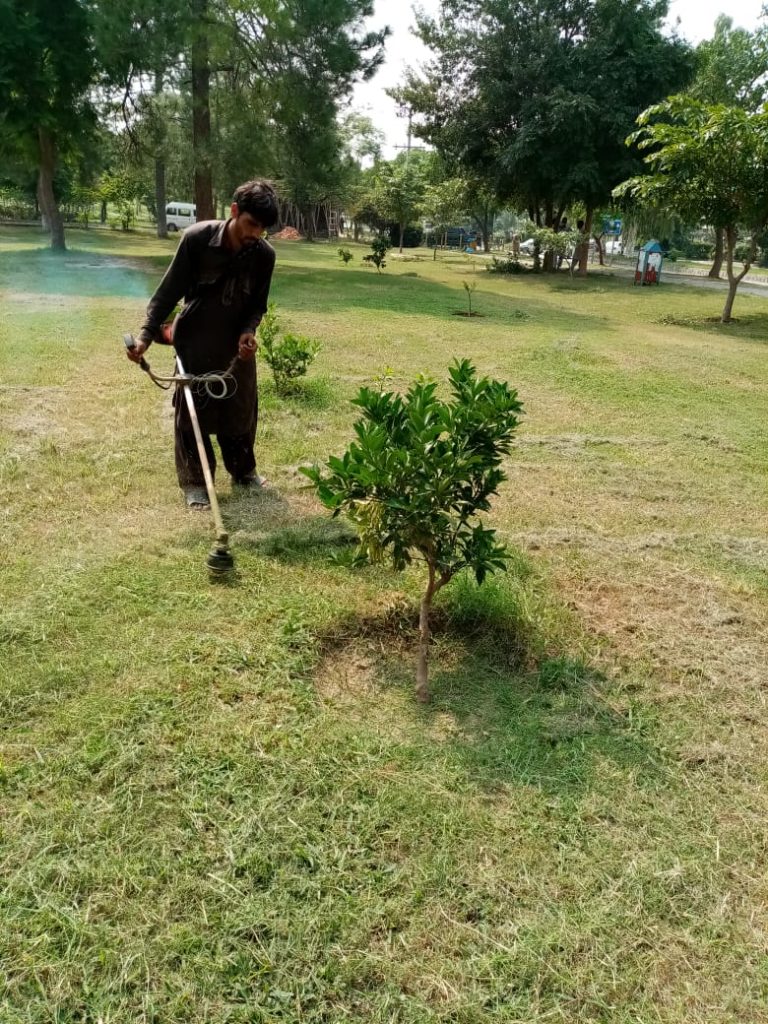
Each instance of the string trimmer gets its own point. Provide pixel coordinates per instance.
(216, 385)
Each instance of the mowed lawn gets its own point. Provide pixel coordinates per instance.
(222, 803)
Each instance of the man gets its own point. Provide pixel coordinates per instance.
(223, 270)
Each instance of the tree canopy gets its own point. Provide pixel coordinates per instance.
(205, 95)
(710, 162)
(46, 68)
(536, 97)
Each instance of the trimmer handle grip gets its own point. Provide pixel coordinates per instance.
(130, 343)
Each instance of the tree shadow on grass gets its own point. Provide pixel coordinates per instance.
(312, 541)
(598, 285)
(265, 522)
(319, 290)
(502, 708)
(550, 726)
(753, 327)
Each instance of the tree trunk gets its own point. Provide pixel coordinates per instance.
(717, 265)
(425, 634)
(160, 200)
(725, 316)
(45, 194)
(103, 212)
(160, 196)
(734, 280)
(422, 662)
(599, 247)
(306, 223)
(584, 247)
(486, 226)
(201, 112)
(402, 233)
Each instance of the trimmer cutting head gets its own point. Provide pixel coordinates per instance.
(220, 561)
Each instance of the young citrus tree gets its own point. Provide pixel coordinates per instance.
(379, 247)
(418, 474)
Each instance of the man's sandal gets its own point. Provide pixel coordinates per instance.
(253, 480)
(197, 499)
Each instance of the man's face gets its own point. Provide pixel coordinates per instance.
(245, 229)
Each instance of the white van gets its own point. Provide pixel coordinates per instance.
(180, 215)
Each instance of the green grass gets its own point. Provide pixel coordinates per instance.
(222, 804)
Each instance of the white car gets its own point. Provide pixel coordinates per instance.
(180, 215)
(527, 246)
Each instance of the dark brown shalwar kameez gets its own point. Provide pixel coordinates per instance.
(225, 294)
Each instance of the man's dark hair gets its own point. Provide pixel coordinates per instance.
(260, 200)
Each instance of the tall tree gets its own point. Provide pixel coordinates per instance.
(139, 46)
(200, 71)
(730, 69)
(301, 62)
(536, 97)
(46, 69)
(398, 193)
(731, 66)
(707, 162)
(444, 203)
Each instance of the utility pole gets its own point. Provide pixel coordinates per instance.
(406, 110)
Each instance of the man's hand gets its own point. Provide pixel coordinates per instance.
(247, 346)
(136, 353)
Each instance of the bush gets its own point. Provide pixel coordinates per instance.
(699, 251)
(509, 265)
(289, 358)
(344, 255)
(412, 236)
(16, 204)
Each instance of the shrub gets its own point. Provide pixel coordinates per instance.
(412, 236)
(345, 256)
(288, 357)
(418, 474)
(741, 252)
(379, 247)
(509, 265)
(16, 204)
(699, 250)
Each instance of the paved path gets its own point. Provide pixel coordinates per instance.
(750, 286)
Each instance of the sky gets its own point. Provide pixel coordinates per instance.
(696, 21)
